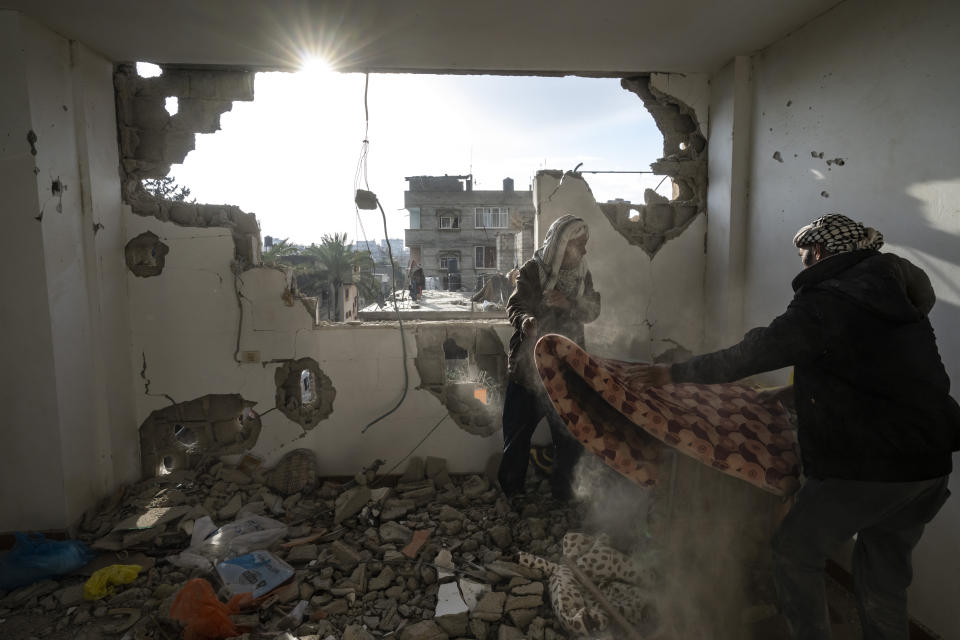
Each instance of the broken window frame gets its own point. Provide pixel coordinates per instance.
(448, 220)
(491, 217)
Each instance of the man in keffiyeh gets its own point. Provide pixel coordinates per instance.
(875, 420)
(554, 294)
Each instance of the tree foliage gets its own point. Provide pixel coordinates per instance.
(322, 269)
(168, 189)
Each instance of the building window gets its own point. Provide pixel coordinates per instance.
(490, 218)
(414, 217)
(485, 258)
(450, 221)
(449, 263)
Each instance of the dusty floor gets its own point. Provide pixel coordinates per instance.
(356, 581)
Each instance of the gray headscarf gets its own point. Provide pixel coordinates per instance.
(838, 233)
(549, 257)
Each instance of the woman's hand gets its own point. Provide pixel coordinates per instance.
(529, 327)
(556, 299)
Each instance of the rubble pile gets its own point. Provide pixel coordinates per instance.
(426, 556)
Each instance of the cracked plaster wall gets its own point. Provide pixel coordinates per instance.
(184, 324)
(875, 84)
(151, 140)
(67, 381)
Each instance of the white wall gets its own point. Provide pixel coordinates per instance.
(30, 493)
(185, 323)
(878, 85)
(644, 302)
(70, 402)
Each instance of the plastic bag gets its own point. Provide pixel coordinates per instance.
(101, 582)
(34, 558)
(209, 545)
(258, 573)
(205, 617)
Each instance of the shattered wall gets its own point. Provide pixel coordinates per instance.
(178, 436)
(648, 304)
(151, 140)
(464, 365)
(826, 92)
(187, 326)
(655, 221)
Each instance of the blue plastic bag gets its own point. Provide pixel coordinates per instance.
(34, 558)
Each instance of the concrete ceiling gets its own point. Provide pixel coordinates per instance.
(604, 37)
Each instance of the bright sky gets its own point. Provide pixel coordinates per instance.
(290, 156)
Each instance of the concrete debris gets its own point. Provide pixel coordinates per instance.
(352, 579)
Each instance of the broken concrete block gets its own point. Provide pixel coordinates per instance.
(356, 632)
(490, 606)
(475, 486)
(350, 502)
(303, 554)
(426, 630)
(479, 629)
(523, 602)
(500, 535)
(344, 556)
(506, 632)
(382, 580)
(228, 511)
(395, 532)
(394, 508)
(414, 471)
(472, 592)
(522, 618)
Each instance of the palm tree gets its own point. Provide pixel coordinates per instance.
(279, 249)
(334, 265)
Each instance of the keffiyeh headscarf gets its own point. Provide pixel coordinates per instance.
(838, 233)
(549, 257)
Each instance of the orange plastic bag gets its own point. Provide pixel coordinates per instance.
(206, 618)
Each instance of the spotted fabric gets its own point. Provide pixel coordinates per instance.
(725, 426)
(622, 580)
(838, 233)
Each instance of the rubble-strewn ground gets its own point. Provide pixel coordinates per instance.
(360, 585)
(356, 579)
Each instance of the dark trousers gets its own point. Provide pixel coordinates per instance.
(522, 410)
(888, 519)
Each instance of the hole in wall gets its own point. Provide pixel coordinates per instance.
(465, 368)
(145, 255)
(308, 388)
(172, 105)
(180, 435)
(148, 70)
(305, 394)
(184, 435)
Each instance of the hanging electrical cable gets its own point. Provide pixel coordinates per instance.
(367, 200)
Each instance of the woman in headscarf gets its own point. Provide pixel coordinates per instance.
(554, 294)
(417, 280)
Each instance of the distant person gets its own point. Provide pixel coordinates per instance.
(554, 294)
(417, 280)
(876, 423)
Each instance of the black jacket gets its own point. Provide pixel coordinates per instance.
(871, 392)
(527, 300)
